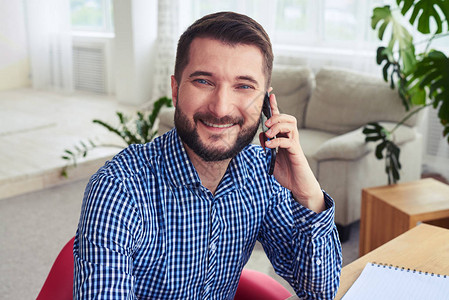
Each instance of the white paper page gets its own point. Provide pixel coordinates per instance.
(385, 282)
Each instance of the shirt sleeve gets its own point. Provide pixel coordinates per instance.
(303, 246)
(104, 242)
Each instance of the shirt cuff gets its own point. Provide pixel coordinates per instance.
(314, 224)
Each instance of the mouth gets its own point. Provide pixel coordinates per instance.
(217, 125)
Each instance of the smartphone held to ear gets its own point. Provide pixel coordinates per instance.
(266, 114)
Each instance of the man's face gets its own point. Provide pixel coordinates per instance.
(219, 98)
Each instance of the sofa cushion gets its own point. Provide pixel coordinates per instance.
(292, 87)
(344, 100)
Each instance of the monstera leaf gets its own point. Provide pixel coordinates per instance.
(433, 72)
(422, 79)
(426, 10)
(376, 133)
(400, 41)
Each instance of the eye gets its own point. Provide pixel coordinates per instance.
(201, 81)
(245, 87)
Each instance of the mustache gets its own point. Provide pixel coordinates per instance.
(200, 116)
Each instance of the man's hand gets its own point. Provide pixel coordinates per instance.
(292, 170)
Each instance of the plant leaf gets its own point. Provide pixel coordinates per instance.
(433, 72)
(163, 101)
(426, 10)
(380, 148)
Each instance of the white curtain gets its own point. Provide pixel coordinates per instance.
(167, 37)
(50, 44)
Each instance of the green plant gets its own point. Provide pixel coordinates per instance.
(138, 130)
(422, 79)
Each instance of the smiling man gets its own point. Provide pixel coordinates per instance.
(178, 218)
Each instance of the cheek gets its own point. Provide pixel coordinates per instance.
(252, 111)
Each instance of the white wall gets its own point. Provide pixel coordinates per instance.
(14, 62)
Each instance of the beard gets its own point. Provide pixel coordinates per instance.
(189, 135)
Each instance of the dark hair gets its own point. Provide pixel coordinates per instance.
(230, 28)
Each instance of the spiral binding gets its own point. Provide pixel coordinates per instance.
(380, 265)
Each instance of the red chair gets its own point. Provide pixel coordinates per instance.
(59, 282)
(256, 285)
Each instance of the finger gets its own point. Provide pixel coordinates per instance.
(282, 143)
(282, 130)
(274, 105)
(281, 118)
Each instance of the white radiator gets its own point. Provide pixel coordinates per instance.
(89, 67)
(436, 144)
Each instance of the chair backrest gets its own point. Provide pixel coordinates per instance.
(257, 285)
(59, 282)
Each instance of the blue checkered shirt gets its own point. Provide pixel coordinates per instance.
(149, 229)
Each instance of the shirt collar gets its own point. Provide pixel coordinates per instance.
(181, 171)
(178, 165)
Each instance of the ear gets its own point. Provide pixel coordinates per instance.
(174, 90)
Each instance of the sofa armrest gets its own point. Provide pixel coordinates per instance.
(352, 145)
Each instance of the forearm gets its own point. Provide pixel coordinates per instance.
(318, 255)
(307, 253)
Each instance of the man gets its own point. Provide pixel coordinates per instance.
(178, 218)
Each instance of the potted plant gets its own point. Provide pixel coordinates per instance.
(137, 130)
(421, 78)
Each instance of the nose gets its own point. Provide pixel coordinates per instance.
(220, 104)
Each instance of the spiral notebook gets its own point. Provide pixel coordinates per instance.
(379, 281)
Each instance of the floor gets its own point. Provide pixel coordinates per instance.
(37, 126)
(39, 208)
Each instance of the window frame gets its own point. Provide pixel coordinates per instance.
(108, 25)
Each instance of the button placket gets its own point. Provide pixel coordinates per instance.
(212, 252)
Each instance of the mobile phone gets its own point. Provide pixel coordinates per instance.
(266, 114)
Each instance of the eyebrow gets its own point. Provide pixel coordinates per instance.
(209, 74)
(248, 78)
(200, 73)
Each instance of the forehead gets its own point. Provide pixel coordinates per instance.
(214, 55)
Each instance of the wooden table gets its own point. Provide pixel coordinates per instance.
(425, 248)
(389, 211)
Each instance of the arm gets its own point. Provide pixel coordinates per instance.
(303, 246)
(104, 243)
(299, 234)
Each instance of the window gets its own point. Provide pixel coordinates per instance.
(310, 23)
(92, 15)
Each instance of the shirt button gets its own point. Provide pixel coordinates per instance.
(303, 219)
(317, 224)
(213, 247)
(318, 262)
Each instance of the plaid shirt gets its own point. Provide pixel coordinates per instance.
(149, 229)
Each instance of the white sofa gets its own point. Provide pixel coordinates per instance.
(332, 108)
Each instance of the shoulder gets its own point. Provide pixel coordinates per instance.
(132, 160)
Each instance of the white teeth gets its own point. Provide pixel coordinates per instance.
(218, 125)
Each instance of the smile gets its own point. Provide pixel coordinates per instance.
(218, 125)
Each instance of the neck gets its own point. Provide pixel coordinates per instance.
(211, 172)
